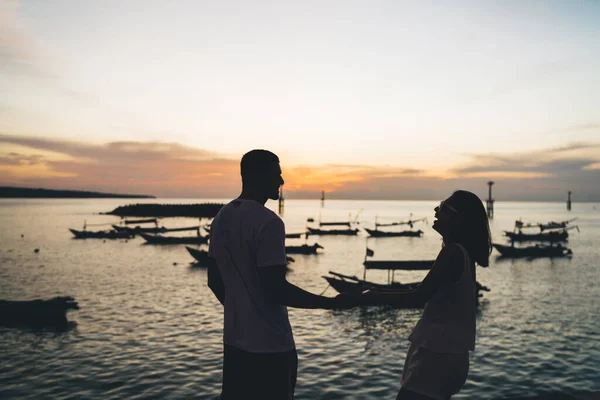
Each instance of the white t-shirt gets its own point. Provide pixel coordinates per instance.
(245, 236)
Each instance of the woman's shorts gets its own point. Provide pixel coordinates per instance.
(436, 375)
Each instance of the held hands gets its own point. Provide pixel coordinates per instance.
(345, 301)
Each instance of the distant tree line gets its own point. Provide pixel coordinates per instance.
(20, 192)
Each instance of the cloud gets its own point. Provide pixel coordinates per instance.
(174, 170)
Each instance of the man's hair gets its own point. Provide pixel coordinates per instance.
(256, 161)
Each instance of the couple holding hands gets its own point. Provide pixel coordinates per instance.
(248, 277)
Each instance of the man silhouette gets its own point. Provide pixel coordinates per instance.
(248, 277)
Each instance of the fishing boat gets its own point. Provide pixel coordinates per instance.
(323, 232)
(201, 256)
(394, 265)
(348, 231)
(295, 235)
(378, 233)
(552, 236)
(519, 225)
(37, 313)
(303, 249)
(100, 234)
(353, 285)
(138, 229)
(203, 259)
(406, 233)
(536, 251)
(140, 221)
(160, 239)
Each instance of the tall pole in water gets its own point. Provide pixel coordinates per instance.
(490, 201)
(281, 205)
(322, 198)
(569, 202)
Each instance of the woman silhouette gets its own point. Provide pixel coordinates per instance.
(437, 362)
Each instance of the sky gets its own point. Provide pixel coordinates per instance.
(364, 99)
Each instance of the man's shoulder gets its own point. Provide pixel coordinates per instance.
(249, 210)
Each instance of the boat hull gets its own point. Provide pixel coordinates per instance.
(538, 237)
(323, 232)
(37, 313)
(158, 239)
(100, 234)
(304, 249)
(532, 251)
(378, 233)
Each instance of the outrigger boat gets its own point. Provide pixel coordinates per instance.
(378, 233)
(159, 239)
(201, 256)
(295, 235)
(409, 233)
(552, 236)
(353, 285)
(349, 231)
(519, 224)
(37, 313)
(161, 229)
(203, 260)
(323, 232)
(303, 249)
(100, 234)
(536, 251)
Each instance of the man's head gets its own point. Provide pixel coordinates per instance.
(261, 173)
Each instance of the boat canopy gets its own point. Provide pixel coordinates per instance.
(407, 265)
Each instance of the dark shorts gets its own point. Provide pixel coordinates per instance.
(258, 375)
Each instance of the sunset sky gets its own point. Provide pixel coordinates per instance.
(365, 99)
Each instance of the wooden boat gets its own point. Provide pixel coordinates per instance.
(138, 229)
(203, 260)
(552, 236)
(378, 233)
(323, 232)
(407, 233)
(533, 251)
(159, 239)
(336, 223)
(37, 313)
(140, 221)
(519, 224)
(394, 265)
(304, 249)
(294, 235)
(100, 234)
(201, 256)
(353, 285)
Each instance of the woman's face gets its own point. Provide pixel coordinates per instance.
(447, 218)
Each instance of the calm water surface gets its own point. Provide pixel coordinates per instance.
(150, 328)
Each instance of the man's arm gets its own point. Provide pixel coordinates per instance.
(283, 292)
(215, 281)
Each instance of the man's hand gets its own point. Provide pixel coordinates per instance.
(345, 301)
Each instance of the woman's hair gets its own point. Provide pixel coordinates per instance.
(476, 236)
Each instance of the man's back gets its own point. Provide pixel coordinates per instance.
(246, 236)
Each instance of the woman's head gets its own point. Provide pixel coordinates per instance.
(461, 218)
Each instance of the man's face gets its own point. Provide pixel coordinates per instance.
(273, 181)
